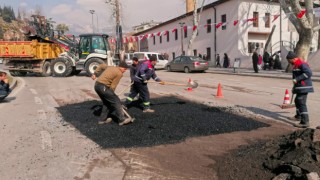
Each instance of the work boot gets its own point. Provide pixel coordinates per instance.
(305, 125)
(295, 118)
(108, 120)
(148, 110)
(125, 121)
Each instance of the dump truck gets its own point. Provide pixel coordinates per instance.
(59, 56)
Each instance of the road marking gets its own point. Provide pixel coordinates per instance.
(33, 91)
(46, 142)
(37, 100)
(42, 115)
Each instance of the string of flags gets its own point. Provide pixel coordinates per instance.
(216, 25)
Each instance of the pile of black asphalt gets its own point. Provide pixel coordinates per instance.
(174, 120)
(292, 156)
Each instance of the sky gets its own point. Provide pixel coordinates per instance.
(76, 13)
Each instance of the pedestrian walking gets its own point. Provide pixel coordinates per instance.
(144, 72)
(226, 61)
(4, 86)
(255, 59)
(218, 61)
(302, 85)
(105, 87)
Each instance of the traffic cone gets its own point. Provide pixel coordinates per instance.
(189, 88)
(219, 92)
(286, 99)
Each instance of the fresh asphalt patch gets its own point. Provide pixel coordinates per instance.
(173, 121)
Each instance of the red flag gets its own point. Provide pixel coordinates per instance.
(194, 28)
(165, 33)
(174, 30)
(205, 26)
(275, 17)
(159, 33)
(218, 25)
(137, 38)
(185, 28)
(235, 22)
(251, 19)
(301, 14)
(151, 35)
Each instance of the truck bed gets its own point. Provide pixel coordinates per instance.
(29, 50)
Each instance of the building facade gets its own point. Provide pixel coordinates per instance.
(226, 26)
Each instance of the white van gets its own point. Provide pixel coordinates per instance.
(161, 61)
(128, 58)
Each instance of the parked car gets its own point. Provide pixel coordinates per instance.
(188, 64)
(161, 61)
(128, 58)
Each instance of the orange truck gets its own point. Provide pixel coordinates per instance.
(21, 57)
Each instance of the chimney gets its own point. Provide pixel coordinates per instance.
(189, 5)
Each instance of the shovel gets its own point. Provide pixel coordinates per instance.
(191, 84)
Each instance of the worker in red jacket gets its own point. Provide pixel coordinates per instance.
(302, 85)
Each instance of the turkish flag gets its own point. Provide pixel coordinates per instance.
(165, 33)
(159, 34)
(218, 25)
(185, 28)
(235, 22)
(275, 17)
(174, 30)
(301, 14)
(194, 28)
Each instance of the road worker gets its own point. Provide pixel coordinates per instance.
(143, 73)
(105, 87)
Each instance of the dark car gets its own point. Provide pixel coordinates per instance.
(188, 64)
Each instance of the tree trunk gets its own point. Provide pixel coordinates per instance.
(303, 45)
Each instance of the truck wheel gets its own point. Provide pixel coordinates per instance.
(61, 67)
(46, 70)
(92, 64)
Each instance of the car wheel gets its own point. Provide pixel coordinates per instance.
(169, 68)
(92, 65)
(186, 70)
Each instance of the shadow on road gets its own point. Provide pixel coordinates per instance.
(174, 121)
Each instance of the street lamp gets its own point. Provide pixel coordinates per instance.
(92, 12)
(181, 32)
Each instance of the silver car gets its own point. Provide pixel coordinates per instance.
(188, 64)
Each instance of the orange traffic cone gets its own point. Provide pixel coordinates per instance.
(219, 92)
(189, 88)
(286, 99)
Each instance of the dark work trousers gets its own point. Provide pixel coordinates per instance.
(111, 101)
(255, 66)
(301, 107)
(143, 91)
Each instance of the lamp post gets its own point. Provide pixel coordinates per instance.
(92, 12)
(181, 32)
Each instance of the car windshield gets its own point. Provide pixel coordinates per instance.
(195, 58)
(161, 57)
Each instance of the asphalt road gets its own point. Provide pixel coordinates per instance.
(49, 132)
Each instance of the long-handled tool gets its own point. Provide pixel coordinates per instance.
(118, 94)
(192, 84)
(288, 106)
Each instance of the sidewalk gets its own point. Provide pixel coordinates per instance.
(262, 73)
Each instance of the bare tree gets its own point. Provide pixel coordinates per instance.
(304, 25)
(196, 20)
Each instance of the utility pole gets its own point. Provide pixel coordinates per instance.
(118, 29)
(181, 36)
(92, 12)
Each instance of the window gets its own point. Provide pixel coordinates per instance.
(208, 57)
(160, 39)
(224, 20)
(173, 55)
(168, 36)
(154, 40)
(267, 20)
(256, 19)
(195, 52)
(252, 46)
(208, 25)
(176, 34)
(185, 32)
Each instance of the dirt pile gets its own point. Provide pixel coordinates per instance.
(294, 156)
(297, 155)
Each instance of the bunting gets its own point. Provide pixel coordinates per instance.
(301, 14)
